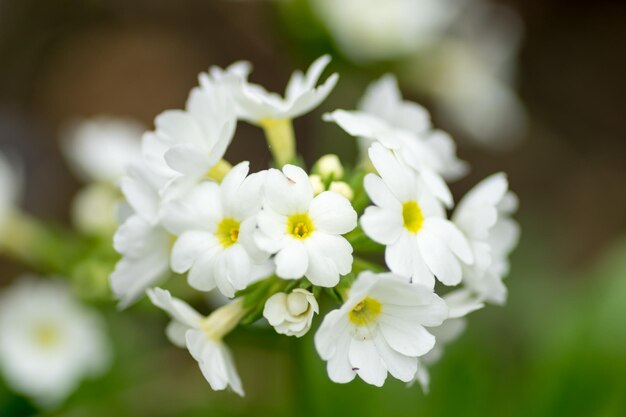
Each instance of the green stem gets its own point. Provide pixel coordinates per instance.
(280, 139)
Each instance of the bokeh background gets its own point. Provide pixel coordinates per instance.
(558, 348)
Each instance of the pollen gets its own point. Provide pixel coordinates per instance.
(300, 226)
(365, 312)
(228, 232)
(412, 216)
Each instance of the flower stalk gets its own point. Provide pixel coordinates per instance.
(281, 140)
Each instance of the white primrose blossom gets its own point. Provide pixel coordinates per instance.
(141, 239)
(215, 225)
(484, 216)
(405, 128)
(380, 329)
(420, 242)
(256, 105)
(202, 336)
(291, 314)
(305, 231)
(187, 144)
(48, 342)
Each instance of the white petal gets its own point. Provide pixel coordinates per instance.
(439, 259)
(329, 256)
(383, 225)
(189, 247)
(404, 258)
(406, 337)
(338, 367)
(399, 181)
(366, 362)
(452, 236)
(379, 193)
(332, 213)
(177, 309)
(399, 366)
(215, 360)
(288, 194)
(275, 309)
(292, 261)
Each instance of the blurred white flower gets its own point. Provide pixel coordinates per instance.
(291, 314)
(215, 225)
(48, 341)
(372, 30)
(257, 106)
(305, 231)
(10, 190)
(95, 209)
(420, 242)
(471, 97)
(100, 149)
(202, 336)
(379, 329)
(484, 216)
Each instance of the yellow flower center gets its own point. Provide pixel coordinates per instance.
(300, 226)
(228, 232)
(46, 335)
(365, 312)
(412, 216)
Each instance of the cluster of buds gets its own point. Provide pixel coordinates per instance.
(276, 241)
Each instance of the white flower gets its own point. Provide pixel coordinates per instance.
(420, 242)
(95, 209)
(10, 189)
(141, 240)
(256, 105)
(484, 216)
(368, 30)
(48, 341)
(291, 314)
(405, 128)
(448, 332)
(379, 329)
(215, 225)
(305, 231)
(473, 75)
(100, 149)
(202, 336)
(186, 144)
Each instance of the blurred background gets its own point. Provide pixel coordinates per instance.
(535, 88)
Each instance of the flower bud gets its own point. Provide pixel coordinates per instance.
(329, 166)
(317, 184)
(342, 188)
(291, 314)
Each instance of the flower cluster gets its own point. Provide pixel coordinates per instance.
(277, 241)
